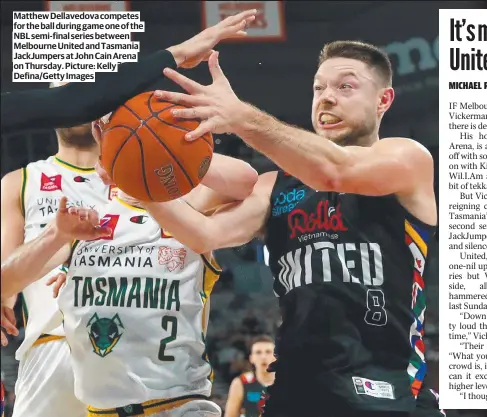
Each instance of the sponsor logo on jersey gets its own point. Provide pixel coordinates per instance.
(325, 218)
(104, 333)
(112, 192)
(285, 202)
(172, 258)
(79, 178)
(253, 396)
(139, 219)
(110, 221)
(51, 183)
(165, 234)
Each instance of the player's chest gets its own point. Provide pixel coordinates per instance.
(43, 194)
(137, 246)
(301, 216)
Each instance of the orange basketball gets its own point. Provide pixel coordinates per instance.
(145, 153)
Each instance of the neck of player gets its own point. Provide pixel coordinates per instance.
(265, 378)
(82, 158)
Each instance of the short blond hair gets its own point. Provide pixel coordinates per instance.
(367, 53)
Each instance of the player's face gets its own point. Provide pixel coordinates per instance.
(347, 101)
(77, 137)
(262, 355)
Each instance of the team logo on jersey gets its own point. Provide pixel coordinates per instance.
(79, 178)
(51, 183)
(172, 258)
(110, 221)
(104, 333)
(139, 219)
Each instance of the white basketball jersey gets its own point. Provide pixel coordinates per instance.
(44, 183)
(135, 309)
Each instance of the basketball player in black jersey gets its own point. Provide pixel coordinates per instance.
(347, 222)
(246, 390)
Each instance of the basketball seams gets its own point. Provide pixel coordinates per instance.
(161, 148)
(121, 147)
(141, 146)
(165, 147)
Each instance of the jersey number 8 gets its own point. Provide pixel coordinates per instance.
(376, 315)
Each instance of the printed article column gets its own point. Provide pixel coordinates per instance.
(463, 209)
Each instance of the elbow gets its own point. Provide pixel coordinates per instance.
(247, 181)
(204, 240)
(327, 179)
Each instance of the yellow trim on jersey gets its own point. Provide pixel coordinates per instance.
(66, 264)
(23, 189)
(129, 206)
(46, 338)
(416, 238)
(25, 311)
(73, 167)
(149, 407)
(211, 273)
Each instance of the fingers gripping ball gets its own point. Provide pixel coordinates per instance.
(144, 151)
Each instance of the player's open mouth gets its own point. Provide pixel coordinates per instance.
(328, 121)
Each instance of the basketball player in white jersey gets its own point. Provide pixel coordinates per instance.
(30, 198)
(136, 304)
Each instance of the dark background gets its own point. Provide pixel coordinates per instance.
(277, 77)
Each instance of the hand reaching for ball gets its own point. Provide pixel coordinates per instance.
(215, 105)
(78, 223)
(199, 48)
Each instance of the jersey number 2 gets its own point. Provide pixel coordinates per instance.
(376, 315)
(173, 322)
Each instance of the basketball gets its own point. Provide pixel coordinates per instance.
(144, 151)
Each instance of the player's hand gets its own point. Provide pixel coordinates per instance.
(7, 322)
(59, 280)
(78, 223)
(199, 48)
(216, 105)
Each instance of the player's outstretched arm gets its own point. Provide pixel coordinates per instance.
(33, 260)
(78, 103)
(230, 225)
(234, 399)
(12, 226)
(391, 166)
(50, 249)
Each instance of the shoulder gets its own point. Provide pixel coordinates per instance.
(247, 377)
(403, 146)
(13, 178)
(12, 184)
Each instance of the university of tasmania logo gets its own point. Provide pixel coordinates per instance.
(104, 333)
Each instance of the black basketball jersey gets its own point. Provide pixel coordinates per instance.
(253, 390)
(348, 273)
